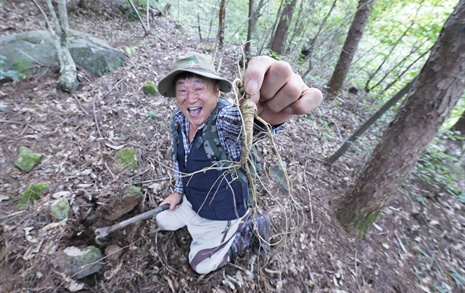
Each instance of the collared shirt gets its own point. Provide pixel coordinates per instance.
(228, 125)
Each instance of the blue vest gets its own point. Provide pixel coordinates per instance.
(213, 194)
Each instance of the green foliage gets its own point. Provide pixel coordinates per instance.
(363, 223)
(207, 48)
(152, 115)
(133, 190)
(390, 20)
(130, 50)
(360, 221)
(462, 197)
(457, 112)
(422, 200)
(143, 3)
(16, 74)
(457, 277)
(439, 289)
(275, 55)
(32, 193)
(438, 168)
(411, 28)
(204, 14)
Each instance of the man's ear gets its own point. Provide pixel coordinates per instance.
(217, 89)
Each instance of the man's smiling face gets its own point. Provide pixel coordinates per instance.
(197, 97)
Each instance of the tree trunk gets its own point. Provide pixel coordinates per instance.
(254, 14)
(349, 49)
(280, 35)
(221, 17)
(437, 89)
(68, 75)
(250, 30)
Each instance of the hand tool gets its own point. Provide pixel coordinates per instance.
(104, 231)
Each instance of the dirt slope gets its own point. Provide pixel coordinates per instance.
(413, 247)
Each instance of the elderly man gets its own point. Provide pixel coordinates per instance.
(213, 202)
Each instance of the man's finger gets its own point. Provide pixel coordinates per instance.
(310, 99)
(254, 75)
(277, 99)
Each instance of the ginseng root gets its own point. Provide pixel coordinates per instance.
(249, 110)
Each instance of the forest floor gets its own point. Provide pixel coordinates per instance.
(415, 245)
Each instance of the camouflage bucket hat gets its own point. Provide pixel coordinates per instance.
(195, 63)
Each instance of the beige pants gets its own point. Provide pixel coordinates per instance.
(209, 247)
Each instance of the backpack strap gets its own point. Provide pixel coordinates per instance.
(174, 133)
(210, 139)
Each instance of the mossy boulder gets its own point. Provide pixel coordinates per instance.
(82, 262)
(60, 209)
(132, 196)
(150, 89)
(27, 159)
(127, 158)
(33, 52)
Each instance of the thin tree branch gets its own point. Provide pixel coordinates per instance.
(140, 18)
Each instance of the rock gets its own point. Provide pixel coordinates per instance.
(60, 209)
(127, 158)
(81, 262)
(113, 252)
(33, 52)
(150, 89)
(27, 159)
(131, 198)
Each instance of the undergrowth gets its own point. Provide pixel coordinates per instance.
(15, 75)
(439, 168)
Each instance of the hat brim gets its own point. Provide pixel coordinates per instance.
(167, 88)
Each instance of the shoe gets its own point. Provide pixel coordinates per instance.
(261, 238)
(254, 232)
(242, 240)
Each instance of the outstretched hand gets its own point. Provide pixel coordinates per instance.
(278, 92)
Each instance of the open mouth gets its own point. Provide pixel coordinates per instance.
(194, 111)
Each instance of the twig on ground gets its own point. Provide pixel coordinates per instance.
(10, 121)
(310, 203)
(79, 104)
(95, 118)
(109, 170)
(114, 86)
(12, 215)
